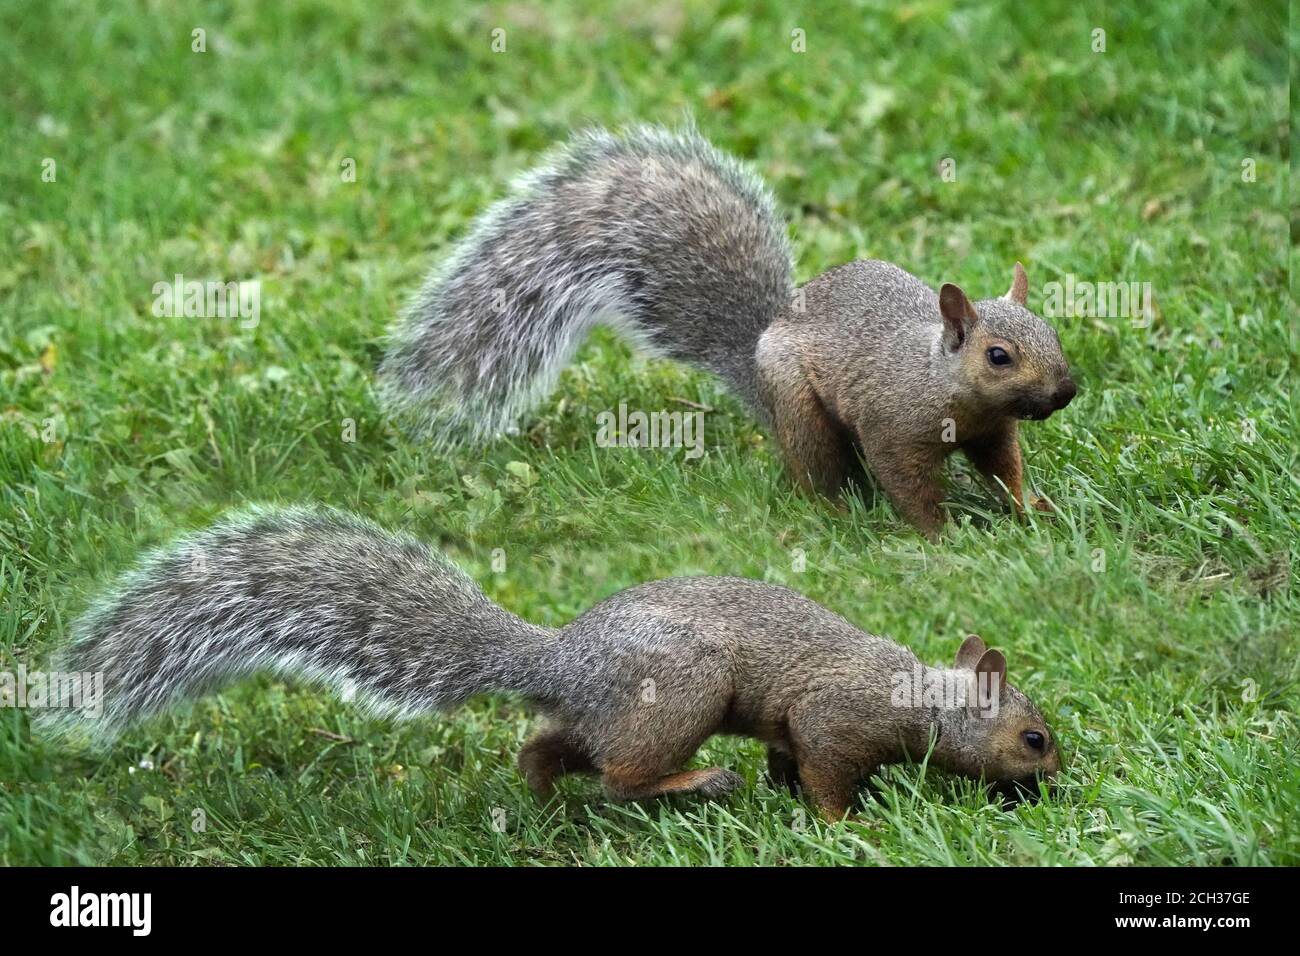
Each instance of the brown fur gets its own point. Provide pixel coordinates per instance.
(875, 367)
(826, 742)
(631, 783)
(547, 755)
(727, 656)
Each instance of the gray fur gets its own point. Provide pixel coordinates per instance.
(307, 593)
(655, 233)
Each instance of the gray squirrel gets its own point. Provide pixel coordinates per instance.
(678, 247)
(630, 689)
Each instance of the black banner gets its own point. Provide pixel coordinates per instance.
(339, 905)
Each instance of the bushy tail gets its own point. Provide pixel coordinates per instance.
(655, 233)
(304, 593)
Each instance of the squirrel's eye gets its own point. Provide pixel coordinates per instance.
(1035, 740)
(999, 356)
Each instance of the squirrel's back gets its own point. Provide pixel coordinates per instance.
(769, 641)
(867, 297)
(655, 233)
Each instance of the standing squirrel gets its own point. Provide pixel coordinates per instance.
(677, 246)
(631, 688)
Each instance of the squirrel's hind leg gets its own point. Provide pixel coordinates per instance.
(631, 783)
(549, 754)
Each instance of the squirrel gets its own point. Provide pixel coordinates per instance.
(630, 689)
(679, 248)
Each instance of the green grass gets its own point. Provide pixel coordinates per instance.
(1153, 618)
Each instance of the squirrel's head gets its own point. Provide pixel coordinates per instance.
(999, 736)
(1009, 360)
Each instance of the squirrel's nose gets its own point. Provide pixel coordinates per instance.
(1064, 394)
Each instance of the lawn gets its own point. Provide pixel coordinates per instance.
(334, 152)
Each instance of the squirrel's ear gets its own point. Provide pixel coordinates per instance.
(958, 314)
(969, 653)
(1019, 291)
(992, 662)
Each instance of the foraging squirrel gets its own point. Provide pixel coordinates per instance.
(677, 246)
(631, 688)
